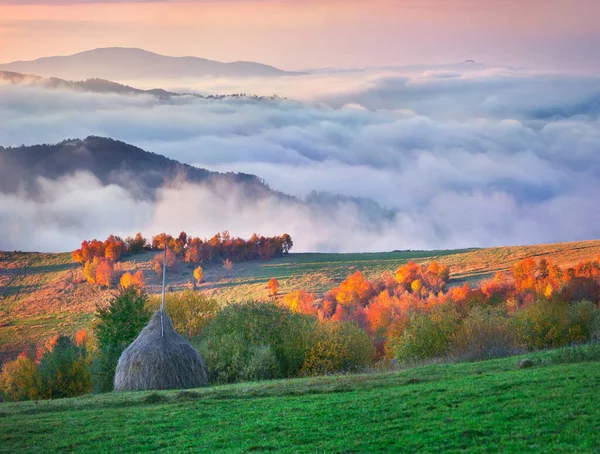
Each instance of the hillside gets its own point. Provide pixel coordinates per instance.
(45, 294)
(111, 162)
(96, 85)
(117, 63)
(488, 406)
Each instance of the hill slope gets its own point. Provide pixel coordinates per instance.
(476, 407)
(45, 294)
(97, 85)
(111, 162)
(117, 63)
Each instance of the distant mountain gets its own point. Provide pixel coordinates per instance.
(106, 86)
(112, 162)
(117, 63)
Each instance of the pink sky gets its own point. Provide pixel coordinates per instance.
(314, 33)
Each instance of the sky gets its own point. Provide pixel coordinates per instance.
(304, 34)
(438, 154)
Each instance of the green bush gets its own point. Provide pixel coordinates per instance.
(338, 347)
(19, 379)
(551, 324)
(251, 341)
(487, 332)
(63, 371)
(426, 335)
(190, 311)
(116, 326)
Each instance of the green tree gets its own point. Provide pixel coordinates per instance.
(117, 326)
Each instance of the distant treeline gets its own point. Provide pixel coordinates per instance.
(222, 246)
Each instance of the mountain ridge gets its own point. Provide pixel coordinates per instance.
(119, 63)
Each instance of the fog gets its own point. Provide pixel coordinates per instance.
(440, 157)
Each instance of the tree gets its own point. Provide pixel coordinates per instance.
(135, 245)
(63, 371)
(287, 243)
(104, 273)
(300, 301)
(89, 271)
(199, 274)
(122, 320)
(158, 262)
(273, 286)
(118, 324)
(125, 280)
(228, 265)
(19, 379)
(356, 290)
(138, 280)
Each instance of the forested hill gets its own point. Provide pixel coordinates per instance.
(112, 162)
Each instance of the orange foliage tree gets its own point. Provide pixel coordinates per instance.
(273, 286)
(199, 274)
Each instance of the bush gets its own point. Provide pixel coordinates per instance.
(63, 371)
(252, 341)
(551, 324)
(116, 327)
(19, 379)
(190, 311)
(426, 335)
(485, 333)
(338, 347)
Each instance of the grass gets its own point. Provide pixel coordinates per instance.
(488, 406)
(45, 294)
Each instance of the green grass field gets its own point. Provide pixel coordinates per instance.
(490, 406)
(42, 295)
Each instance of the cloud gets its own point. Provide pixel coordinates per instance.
(488, 156)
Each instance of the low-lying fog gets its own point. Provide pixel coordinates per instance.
(463, 155)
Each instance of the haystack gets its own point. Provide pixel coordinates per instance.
(157, 360)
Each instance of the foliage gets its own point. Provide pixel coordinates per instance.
(199, 274)
(244, 336)
(487, 332)
(300, 301)
(546, 324)
(19, 379)
(273, 286)
(63, 371)
(427, 335)
(190, 311)
(117, 325)
(338, 347)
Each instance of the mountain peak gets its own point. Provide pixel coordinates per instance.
(126, 63)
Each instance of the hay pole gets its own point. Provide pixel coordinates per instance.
(162, 304)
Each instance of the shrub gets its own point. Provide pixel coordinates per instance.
(426, 335)
(19, 379)
(550, 324)
(338, 347)
(255, 341)
(485, 333)
(190, 311)
(116, 327)
(63, 372)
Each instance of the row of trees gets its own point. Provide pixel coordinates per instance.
(220, 247)
(386, 307)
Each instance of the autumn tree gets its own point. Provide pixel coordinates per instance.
(135, 245)
(286, 243)
(104, 273)
(199, 274)
(356, 290)
(300, 301)
(228, 265)
(126, 280)
(273, 286)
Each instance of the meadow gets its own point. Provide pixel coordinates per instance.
(42, 295)
(486, 406)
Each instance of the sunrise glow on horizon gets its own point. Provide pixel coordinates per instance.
(554, 34)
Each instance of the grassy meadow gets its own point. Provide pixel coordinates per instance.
(489, 406)
(42, 295)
